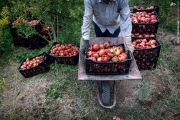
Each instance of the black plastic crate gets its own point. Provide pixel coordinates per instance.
(139, 35)
(147, 65)
(108, 68)
(17, 39)
(40, 68)
(69, 60)
(46, 36)
(147, 53)
(36, 41)
(156, 9)
(144, 28)
(39, 26)
(32, 42)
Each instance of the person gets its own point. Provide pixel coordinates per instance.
(110, 17)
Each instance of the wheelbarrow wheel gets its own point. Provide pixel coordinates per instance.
(105, 92)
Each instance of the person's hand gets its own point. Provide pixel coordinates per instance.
(128, 45)
(84, 47)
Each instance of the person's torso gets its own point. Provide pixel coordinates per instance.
(106, 14)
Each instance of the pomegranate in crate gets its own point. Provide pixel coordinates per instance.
(147, 9)
(33, 66)
(138, 35)
(144, 22)
(63, 53)
(146, 53)
(107, 59)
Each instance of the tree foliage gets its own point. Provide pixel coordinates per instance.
(59, 14)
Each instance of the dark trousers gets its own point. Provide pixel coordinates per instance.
(106, 33)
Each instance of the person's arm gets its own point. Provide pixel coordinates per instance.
(87, 19)
(126, 25)
(125, 20)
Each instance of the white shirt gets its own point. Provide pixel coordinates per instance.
(107, 16)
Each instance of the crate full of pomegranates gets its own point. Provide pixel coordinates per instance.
(106, 59)
(33, 66)
(146, 52)
(146, 9)
(144, 22)
(63, 53)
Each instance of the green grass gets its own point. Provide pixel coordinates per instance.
(3, 3)
(63, 91)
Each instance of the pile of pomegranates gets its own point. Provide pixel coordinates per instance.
(144, 8)
(44, 29)
(138, 35)
(64, 50)
(30, 63)
(144, 43)
(146, 53)
(144, 17)
(104, 52)
(31, 23)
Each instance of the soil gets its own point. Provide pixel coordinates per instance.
(30, 95)
(156, 77)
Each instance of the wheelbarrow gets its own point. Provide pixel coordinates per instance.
(102, 82)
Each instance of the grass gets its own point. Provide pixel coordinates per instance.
(63, 89)
(58, 94)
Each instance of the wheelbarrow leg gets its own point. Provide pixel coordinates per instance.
(99, 98)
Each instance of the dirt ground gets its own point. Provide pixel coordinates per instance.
(156, 78)
(29, 95)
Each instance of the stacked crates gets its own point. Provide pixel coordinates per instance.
(145, 23)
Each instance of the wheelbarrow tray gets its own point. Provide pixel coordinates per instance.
(134, 73)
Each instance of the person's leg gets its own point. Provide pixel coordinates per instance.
(115, 34)
(97, 31)
(106, 33)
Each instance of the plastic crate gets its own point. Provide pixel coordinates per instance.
(39, 26)
(146, 28)
(72, 60)
(108, 68)
(32, 42)
(46, 35)
(147, 65)
(36, 41)
(40, 68)
(17, 40)
(156, 9)
(147, 53)
(136, 36)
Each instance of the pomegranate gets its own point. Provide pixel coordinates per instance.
(114, 59)
(106, 45)
(101, 46)
(104, 59)
(92, 58)
(116, 51)
(102, 52)
(99, 59)
(96, 47)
